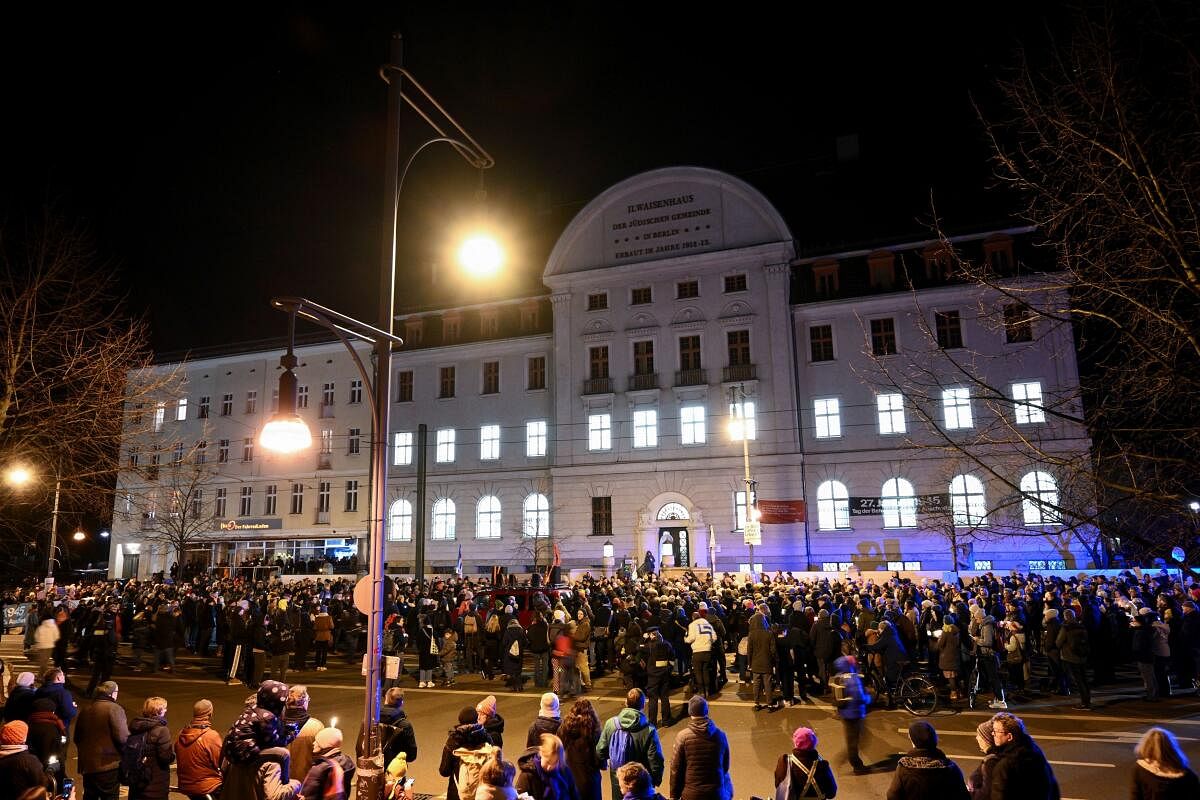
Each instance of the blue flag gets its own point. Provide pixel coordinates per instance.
(458, 567)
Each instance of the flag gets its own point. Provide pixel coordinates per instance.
(557, 557)
(458, 567)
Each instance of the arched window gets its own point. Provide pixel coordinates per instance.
(443, 519)
(899, 504)
(833, 506)
(400, 522)
(1039, 499)
(967, 501)
(537, 516)
(487, 518)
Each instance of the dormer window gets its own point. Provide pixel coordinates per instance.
(882, 268)
(414, 331)
(530, 317)
(825, 278)
(489, 323)
(998, 253)
(451, 328)
(939, 261)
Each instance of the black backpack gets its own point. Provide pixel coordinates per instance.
(136, 769)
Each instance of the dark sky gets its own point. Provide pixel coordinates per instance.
(224, 155)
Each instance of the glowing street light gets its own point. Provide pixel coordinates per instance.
(79, 536)
(481, 256)
(19, 476)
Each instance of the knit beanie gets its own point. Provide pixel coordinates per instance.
(14, 732)
(202, 711)
(804, 739)
(985, 731)
(697, 706)
(25, 679)
(549, 705)
(327, 739)
(487, 705)
(922, 735)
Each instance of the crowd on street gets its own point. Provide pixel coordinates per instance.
(849, 640)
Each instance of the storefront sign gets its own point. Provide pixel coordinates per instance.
(265, 524)
(780, 512)
(873, 506)
(671, 222)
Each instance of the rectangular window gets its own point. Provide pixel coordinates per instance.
(537, 373)
(323, 492)
(739, 509)
(297, 498)
(530, 318)
(136, 417)
(820, 341)
(404, 386)
(601, 516)
(828, 415)
(645, 428)
(356, 390)
(446, 382)
(599, 432)
(735, 283)
(949, 330)
(402, 448)
(201, 452)
(326, 441)
(956, 408)
(274, 399)
(252, 402)
(222, 498)
(640, 296)
(597, 301)
(535, 438)
(197, 503)
(598, 362)
(223, 451)
(489, 323)
(489, 442)
(177, 453)
(689, 352)
(271, 504)
(134, 457)
(451, 328)
(491, 377)
(883, 337)
(742, 421)
(248, 448)
(1027, 402)
(352, 495)
(181, 409)
(738, 343)
(227, 405)
(891, 413)
(354, 441)
(202, 411)
(244, 501)
(445, 446)
(301, 397)
(1018, 324)
(160, 414)
(691, 425)
(327, 393)
(687, 289)
(643, 357)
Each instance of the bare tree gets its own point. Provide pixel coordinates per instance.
(67, 353)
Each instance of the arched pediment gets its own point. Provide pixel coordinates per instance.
(686, 315)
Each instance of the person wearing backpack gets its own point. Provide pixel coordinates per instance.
(629, 737)
(512, 648)
(1073, 650)
(802, 774)
(471, 643)
(466, 750)
(331, 777)
(147, 755)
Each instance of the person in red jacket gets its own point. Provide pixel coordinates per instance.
(198, 754)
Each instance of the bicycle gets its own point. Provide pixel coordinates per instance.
(915, 692)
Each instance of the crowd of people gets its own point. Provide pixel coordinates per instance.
(788, 637)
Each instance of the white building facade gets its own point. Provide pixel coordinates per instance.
(679, 320)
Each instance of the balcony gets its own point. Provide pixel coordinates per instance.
(324, 461)
(642, 382)
(739, 372)
(327, 411)
(322, 518)
(149, 521)
(690, 377)
(598, 386)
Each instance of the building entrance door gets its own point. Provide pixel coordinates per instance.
(677, 542)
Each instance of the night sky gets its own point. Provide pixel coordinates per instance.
(221, 155)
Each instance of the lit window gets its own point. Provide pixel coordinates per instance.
(489, 442)
(352, 495)
(827, 412)
(833, 506)
(537, 516)
(691, 424)
(181, 409)
(891, 413)
(487, 518)
(645, 428)
(742, 421)
(739, 509)
(535, 438)
(160, 414)
(956, 408)
(1039, 499)
(1027, 402)
(402, 448)
(443, 519)
(400, 521)
(326, 441)
(599, 432)
(899, 504)
(967, 501)
(445, 446)
(244, 501)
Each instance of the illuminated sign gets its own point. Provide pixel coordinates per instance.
(250, 525)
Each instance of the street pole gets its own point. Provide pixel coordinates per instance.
(419, 514)
(750, 505)
(53, 534)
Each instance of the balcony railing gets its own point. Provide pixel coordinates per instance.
(690, 377)
(598, 386)
(640, 382)
(322, 517)
(739, 372)
(324, 461)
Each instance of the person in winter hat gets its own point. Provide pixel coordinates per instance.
(20, 700)
(466, 741)
(700, 762)
(804, 751)
(295, 715)
(547, 720)
(979, 784)
(261, 726)
(332, 773)
(198, 754)
(490, 719)
(925, 771)
(19, 769)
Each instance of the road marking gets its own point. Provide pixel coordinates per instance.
(1099, 737)
(1056, 763)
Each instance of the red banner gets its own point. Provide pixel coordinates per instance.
(780, 512)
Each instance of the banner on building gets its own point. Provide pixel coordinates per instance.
(873, 506)
(780, 512)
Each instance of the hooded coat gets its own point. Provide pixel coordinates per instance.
(463, 739)
(639, 742)
(926, 772)
(260, 727)
(158, 747)
(542, 784)
(198, 758)
(700, 763)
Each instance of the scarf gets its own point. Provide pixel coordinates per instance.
(294, 715)
(50, 718)
(12, 749)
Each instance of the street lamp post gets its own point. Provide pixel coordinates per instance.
(283, 431)
(751, 530)
(21, 476)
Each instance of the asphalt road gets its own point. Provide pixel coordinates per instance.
(1091, 752)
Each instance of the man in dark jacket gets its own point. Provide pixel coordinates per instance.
(630, 737)
(760, 655)
(54, 687)
(547, 720)
(19, 769)
(1021, 771)
(157, 749)
(539, 645)
(925, 771)
(100, 733)
(658, 656)
(700, 762)
(850, 703)
(1073, 649)
(20, 700)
